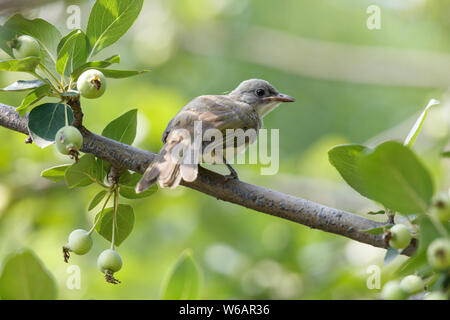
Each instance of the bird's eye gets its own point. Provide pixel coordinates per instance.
(260, 92)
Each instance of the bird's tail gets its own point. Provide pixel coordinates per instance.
(170, 166)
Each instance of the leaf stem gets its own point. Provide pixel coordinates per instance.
(44, 69)
(46, 81)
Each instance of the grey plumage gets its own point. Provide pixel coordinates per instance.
(243, 108)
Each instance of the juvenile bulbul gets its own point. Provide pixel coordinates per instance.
(243, 108)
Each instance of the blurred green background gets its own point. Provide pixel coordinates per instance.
(352, 85)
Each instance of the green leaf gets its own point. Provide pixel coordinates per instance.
(56, 173)
(373, 213)
(128, 183)
(123, 128)
(82, 173)
(103, 168)
(21, 65)
(393, 175)
(45, 33)
(24, 277)
(124, 223)
(32, 98)
(414, 132)
(119, 74)
(445, 154)
(72, 54)
(109, 21)
(391, 254)
(64, 40)
(6, 35)
(345, 159)
(44, 122)
(183, 281)
(23, 85)
(96, 200)
(95, 65)
(377, 230)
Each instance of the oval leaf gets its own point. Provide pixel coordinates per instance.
(124, 223)
(23, 85)
(345, 159)
(95, 65)
(32, 98)
(393, 175)
(123, 128)
(109, 20)
(72, 54)
(96, 200)
(82, 173)
(119, 74)
(24, 277)
(21, 65)
(377, 230)
(45, 120)
(56, 173)
(183, 281)
(6, 35)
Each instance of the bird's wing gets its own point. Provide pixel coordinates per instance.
(219, 112)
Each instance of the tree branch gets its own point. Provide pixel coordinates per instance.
(261, 199)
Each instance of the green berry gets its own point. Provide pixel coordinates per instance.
(436, 295)
(441, 208)
(400, 236)
(109, 260)
(393, 291)
(412, 284)
(68, 139)
(438, 254)
(91, 84)
(80, 241)
(25, 46)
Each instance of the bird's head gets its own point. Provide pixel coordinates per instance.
(260, 94)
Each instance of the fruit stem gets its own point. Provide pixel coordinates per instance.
(65, 114)
(114, 222)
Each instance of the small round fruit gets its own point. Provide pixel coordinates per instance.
(68, 139)
(441, 208)
(25, 46)
(91, 84)
(436, 295)
(412, 284)
(109, 260)
(438, 254)
(80, 241)
(393, 291)
(400, 236)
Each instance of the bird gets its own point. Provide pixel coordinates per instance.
(243, 108)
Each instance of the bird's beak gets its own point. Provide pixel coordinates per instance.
(280, 97)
